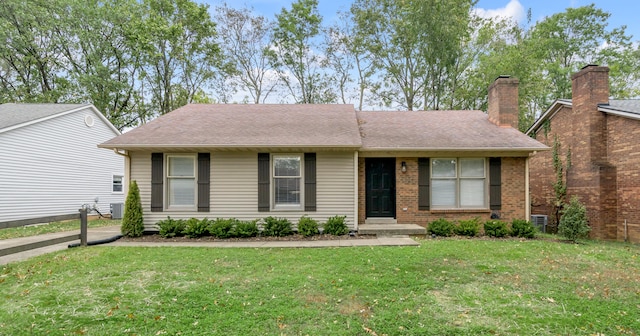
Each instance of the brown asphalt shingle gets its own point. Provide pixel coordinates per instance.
(438, 130)
(235, 125)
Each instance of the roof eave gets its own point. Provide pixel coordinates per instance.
(618, 112)
(548, 114)
(455, 149)
(218, 146)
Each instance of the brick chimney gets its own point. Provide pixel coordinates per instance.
(503, 102)
(590, 87)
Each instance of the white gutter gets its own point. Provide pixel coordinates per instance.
(527, 193)
(355, 190)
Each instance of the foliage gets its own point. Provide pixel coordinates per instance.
(496, 228)
(336, 226)
(559, 185)
(276, 227)
(574, 223)
(522, 228)
(195, 228)
(441, 227)
(246, 229)
(132, 221)
(307, 226)
(469, 227)
(170, 227)
(223, 228)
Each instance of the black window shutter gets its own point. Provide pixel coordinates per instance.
(204, 161)
(423, 184)
(157, 177)
(263, 182)
(309, 181)
(495, 183)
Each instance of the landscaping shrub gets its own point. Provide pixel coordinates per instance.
(522, 228)
(307, 226)
(132, 222)
(573, 223)
(170, 228)
(441, 227)
(336, 226)
(277, 227)
(246, 229)
(469, 227)
(222, 228)
(495, 228)
(195, 228)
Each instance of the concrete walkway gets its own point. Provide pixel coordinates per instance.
(110, 231)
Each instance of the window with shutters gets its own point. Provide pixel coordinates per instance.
(458, 183)
(287, 181)
(181, 181)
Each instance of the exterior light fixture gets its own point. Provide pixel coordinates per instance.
(403, 167)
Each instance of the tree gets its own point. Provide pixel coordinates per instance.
(295, 53)
(411, 48)
(132, 222)
(246, 40)
(177, 39)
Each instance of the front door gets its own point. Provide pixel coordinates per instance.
(380, 177)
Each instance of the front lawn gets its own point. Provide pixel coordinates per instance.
(442, 287)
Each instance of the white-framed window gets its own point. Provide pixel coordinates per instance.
(181, 181)
(458, 183)
(117, 184)
(287, 181)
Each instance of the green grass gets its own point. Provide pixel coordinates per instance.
(33, 230)
(442, 287)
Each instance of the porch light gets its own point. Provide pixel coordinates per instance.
(404, 167)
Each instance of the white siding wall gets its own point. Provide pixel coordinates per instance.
(53, 167)
(234, 188)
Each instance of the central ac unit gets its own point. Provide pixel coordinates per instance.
(540, 222)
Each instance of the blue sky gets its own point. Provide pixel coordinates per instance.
(623, 12)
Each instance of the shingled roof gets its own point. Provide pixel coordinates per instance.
(247, 126)
(323, 126)
(439, 131)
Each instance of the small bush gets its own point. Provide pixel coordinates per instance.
(573, 223)
(195, 228)
(495, 228)
(277, 227)
(441, 227)
(222, 228)
(132, 222)
(522, 228)
(246, 229)
(469, 227)
(170, 228)
(336, 226)
(307, 227)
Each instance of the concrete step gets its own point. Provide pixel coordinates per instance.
(386, 230)
(381, 220)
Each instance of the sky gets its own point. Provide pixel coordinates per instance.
(623, 12)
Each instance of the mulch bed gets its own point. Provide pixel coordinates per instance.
(156, 238)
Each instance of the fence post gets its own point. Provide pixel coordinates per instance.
(83, 227)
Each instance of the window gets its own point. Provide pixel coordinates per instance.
(181, 181)
(287, 176)
(458, 183)
(117, 183)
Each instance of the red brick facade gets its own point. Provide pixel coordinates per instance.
(513, 180)
(605, 156)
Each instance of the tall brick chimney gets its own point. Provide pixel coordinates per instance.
(503, 102)
(590, 87)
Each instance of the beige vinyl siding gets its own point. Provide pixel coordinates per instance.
(234, 188)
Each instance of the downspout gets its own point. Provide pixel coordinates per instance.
(527, 193)
(355, 190)
(127, 169)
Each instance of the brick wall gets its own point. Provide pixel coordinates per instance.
(605, 160)
(513, 194)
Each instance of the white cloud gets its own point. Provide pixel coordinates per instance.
(513, 10)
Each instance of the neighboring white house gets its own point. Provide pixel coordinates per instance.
(50, 163)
